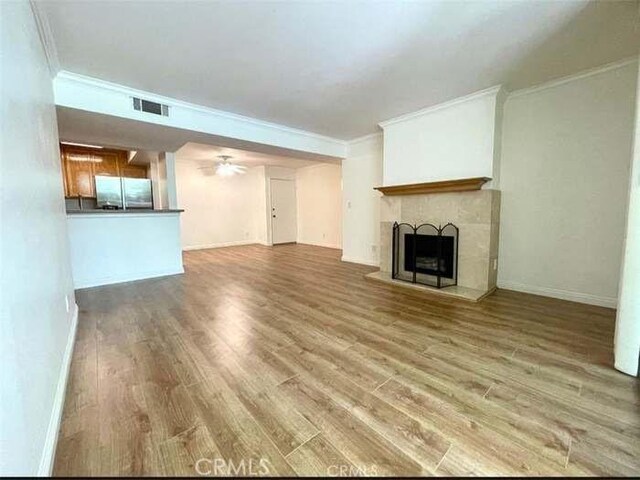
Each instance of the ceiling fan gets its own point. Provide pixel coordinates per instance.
(225, 168)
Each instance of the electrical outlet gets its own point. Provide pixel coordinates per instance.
(495, 263)
(66, 302)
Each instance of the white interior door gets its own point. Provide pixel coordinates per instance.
(283, 211)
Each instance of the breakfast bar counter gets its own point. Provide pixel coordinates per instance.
(113, 246)
(131, 211)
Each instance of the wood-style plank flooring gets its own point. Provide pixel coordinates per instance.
(286, 361)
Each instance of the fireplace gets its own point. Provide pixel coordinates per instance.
(475, 219)
(425, 254)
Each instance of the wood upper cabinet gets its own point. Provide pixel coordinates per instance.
(108, 163)
(80, 165)
(77, 167)
(132, 171)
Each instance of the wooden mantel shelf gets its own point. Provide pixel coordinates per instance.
(461, 185)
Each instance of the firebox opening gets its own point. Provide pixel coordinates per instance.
(430, 248)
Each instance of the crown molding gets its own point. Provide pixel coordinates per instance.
(172, 102)
(573, 77)
(425, 111)
(316, 166)
(366, 138)
(46, 37)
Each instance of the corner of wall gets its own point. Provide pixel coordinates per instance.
(169, 161)
(365, 144)
(501, 98)
(627, 331)
(361, 172)
(46, 37)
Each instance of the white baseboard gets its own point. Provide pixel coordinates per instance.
(219, 245)
(361, 261)
(51, 440)
(600, 301)
(320, 244)
(99, 281)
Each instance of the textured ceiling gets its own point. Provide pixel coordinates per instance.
(109, 131)
(207, 155)
(336, 68)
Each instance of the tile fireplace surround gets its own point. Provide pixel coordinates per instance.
(477, 215)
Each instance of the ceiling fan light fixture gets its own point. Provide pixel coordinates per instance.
(227, 169)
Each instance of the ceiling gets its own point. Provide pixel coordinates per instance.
(115, 132)
(207, 155)
(336, 68)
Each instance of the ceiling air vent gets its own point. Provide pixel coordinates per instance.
(150, 107)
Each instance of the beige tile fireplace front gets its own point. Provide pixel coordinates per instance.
(475, 213)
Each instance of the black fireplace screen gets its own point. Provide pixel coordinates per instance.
(425, 254)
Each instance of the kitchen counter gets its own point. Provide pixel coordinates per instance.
(98, 211)
(113, 246)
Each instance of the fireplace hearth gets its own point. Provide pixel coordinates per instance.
(425, 254)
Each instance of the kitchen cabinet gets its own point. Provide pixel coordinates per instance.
(80, 165)
(78, 176)
(133, 171)
(108, 163)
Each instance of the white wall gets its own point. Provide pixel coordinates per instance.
(37, 328)
(627, 338)
(158, 190)
(564, 182)
(162, 173)
(448, 141)
(159, 183)
(220, 211)
(121, 247)
(236, 210)
(319, 205)
(263, 224)
(361, 172)
(167, 180)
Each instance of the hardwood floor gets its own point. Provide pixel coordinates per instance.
(285, 360)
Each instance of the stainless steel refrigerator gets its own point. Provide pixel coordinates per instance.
(123, 192)
(137, 193)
